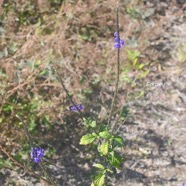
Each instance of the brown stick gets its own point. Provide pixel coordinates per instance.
(21, 166)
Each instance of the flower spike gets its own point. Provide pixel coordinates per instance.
(37, 154)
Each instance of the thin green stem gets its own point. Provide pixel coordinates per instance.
(118, 67)
(113, 126)
(67, 93)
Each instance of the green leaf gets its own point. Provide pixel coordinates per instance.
(105, 134)
(131, 55)
(103, 127)
(124, 112)
(125, 78)
(108, 170)
(93, 124)
(89, 122)
(8, 163)
(135, 62)
(140, 66)
(103, 149)
(118, 141)
(99, 166)
(99, 179)
(143, 74)
(87, 139)
(114, 159)
(32, 125)
(86, 121)
(7, 107)
(43, 72)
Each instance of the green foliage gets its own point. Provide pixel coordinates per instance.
(6, 163)
(114, 159)
(103, 148)
(99, 166)
(134, 63)
(99, 180)
(87, 91)
(131, 56)
(105, 134)
(32, 124)
(106, 144)
(30, 107)
(88, 138)
(132, 12)
(7, 107)
(87, 33)
(124, 112)
(117, 141)
(136, 12)
(89, 123)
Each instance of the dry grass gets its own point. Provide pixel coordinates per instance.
(77, 38)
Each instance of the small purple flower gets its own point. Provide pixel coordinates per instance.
(117, 41)
(36, 154)
(117, 45)
(122, 42)
(74, 108)
(116, 34)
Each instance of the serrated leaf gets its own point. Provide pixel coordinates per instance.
(104, 148)
(99, 166)
(114, 159)
(99, 180)
(87, 139)
(105, 134)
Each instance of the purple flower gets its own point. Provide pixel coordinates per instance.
(36, 154)
(74, 108)
(122, 42)
(117, 41)
(116, 34)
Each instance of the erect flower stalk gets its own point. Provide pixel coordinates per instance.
(117, 44)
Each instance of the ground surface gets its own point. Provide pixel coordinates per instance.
(79, 37)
